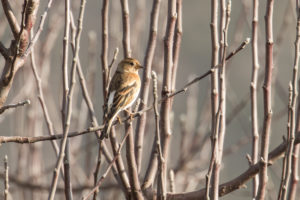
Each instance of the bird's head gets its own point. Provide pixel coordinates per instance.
(129, 65)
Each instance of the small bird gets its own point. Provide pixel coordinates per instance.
(123, 91)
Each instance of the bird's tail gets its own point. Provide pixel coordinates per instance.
(106, 131)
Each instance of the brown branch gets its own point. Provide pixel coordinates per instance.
(126, 28)
(161, 183)
(90, 106)
(131, 162)
(265, 139)
(104, 48)
(292, 109)
(213, 69)
(214, 93)
(4, 108)
(28, 185)
(42, 101)
(120, 165)
(66, 113)
(253, 88)
(40, 29)
(141, 122)
(221, 116)
(165, 109)
(12, 20)
(6, 179)
(3, 51)
(177, 42)
(96, 187)
(240, 180)
(17, 48)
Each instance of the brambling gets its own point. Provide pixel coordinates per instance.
(123, 91)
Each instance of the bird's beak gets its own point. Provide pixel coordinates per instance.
(140, 67)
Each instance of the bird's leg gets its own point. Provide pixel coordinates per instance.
(119, 119)
(130, 114)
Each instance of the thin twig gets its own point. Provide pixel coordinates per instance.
(65, 112)
(253, 88)
(265, 139)
(42, 100)
(172, 181)
(6, 179)
(3, 51)
(12, 20)
(284, 162)
(221, 125)
(213, 68)
(126, 28)
(4, 108)
(104, 48)
(141, 122)
(131, 162)
(40, 29)
(165, 109)
(292, 110)
(107, 170)
(161, 183)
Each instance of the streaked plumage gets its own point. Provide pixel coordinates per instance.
(123, 91)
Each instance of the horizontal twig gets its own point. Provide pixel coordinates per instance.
(4, 108)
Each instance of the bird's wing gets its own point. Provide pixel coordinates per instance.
(124, 93)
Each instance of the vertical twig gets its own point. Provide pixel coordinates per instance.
(6, 179)
(253, 88)
(265, 139)
(295, 172)
(104, 49)
(99, 159)
(89, 104)
(42, 100)
(40, 29)
(13, 23)
(107, 170)
(141, 122)
(130, 155)
(177, 42)
(292, 109)
(131, 163)
(226, 10)
(161, 182)
(165, 109)
(67, 170)
(126, 28)
(284, 162)
(214, 90)
(66, 113)
(172, 181)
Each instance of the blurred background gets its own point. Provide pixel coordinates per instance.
(31, 165)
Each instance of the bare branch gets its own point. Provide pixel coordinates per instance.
(126, 28)
(4, 108)
(265, 139)
(141, 122)
(3, 51)
(12, 20)
(6, 179)
(107, 170)
(253, 87)
(40, 29)
(161, 183)
(65, 112)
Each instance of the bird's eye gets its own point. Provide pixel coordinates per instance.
(131, 63)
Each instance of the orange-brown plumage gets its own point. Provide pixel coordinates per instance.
(123, 91)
